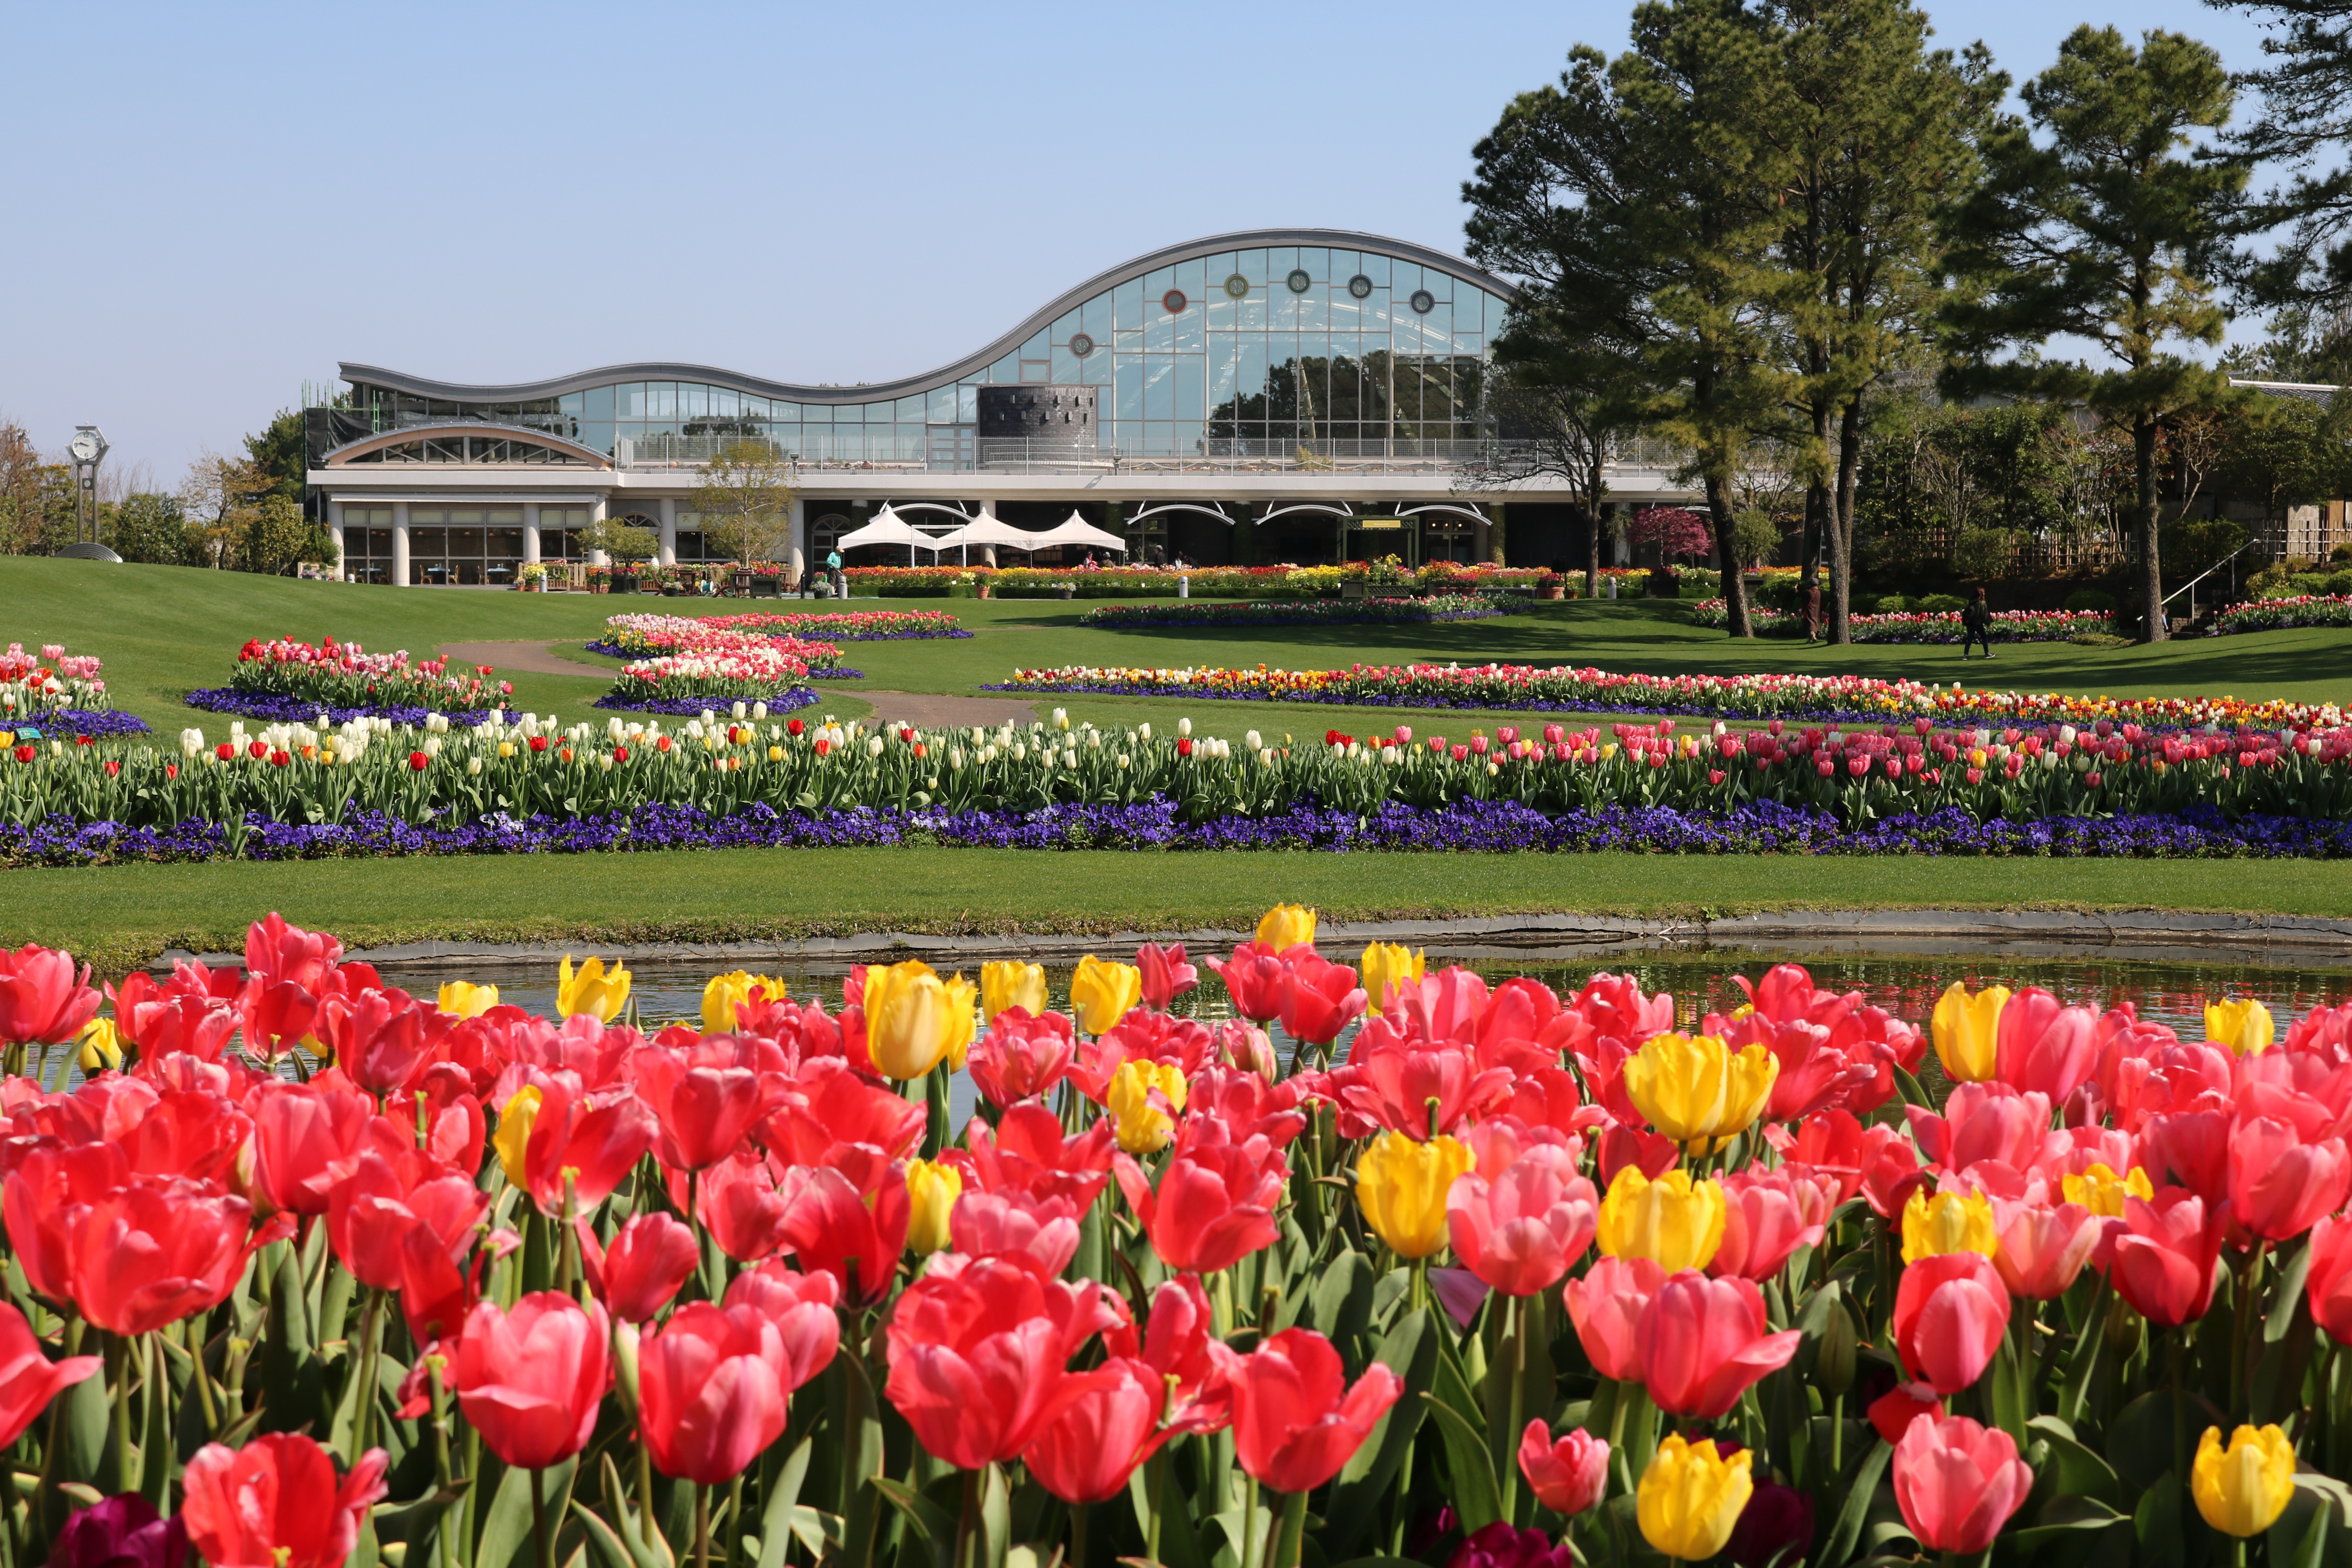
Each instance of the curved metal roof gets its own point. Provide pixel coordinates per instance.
(971, 365)
(340, 456)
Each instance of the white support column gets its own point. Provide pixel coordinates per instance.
(400, 543)
(988, 552)
(596, 516)
(530, 535)
(799, 550)
(335, 533)
(668, 531)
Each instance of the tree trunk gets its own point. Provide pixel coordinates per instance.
(1596, 484)
(1734, 590)
(1842, 521)
(2151, 568)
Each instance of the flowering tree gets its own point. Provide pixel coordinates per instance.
(1676, 531)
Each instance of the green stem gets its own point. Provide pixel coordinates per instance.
(701, 1526)
(546, 1542)
(1249, 1523)
(1617, 1439)
(126, 1467)
(2240, 1326)
(2175, 1353)
(1155, 1488)
(371, 1334)
(1285, 1531)
(967, 1523)
(1517, 1309)
(1078, 1512)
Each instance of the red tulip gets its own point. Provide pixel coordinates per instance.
(1139, 1036)
(1253, 979)
(1651, 1153)
(1019, 1056)
(405, 1222)
(2042, 1248)
(1215, 1203)
(306, 1138)
(2043, 1045)
(1951, 1312)
(1504, 1545)
(828, 1225)
(978, 1359)
(2329, 1285)
(1166, 975)
(1775, 1526)
(1295, 1420)
(1318, 999)
(43, 998)
(1767, 1216)
(650, 1258)
(1248, 1104)
(1522, 1230)
(1957, 1483)
(1606, 1306)
(191, 1133)
(1702, 1341)
(174, 1025)
(1086, 1453)
(985, 1224)
(829, 1115)
(704, 1109)
(2189, 1149)
(1174, 1342)
(530, 1380)
(2280, 1186)
(277, 1015)
(1027, 1150)
(152, 1251)
(1567, 1476)
(566, 1132)
(28, 1379)
(275, 1503)
(1388, 1082)
(1986, 1121)
(744, 1205)
(711, 1390)
(379, 1037)
(2163, 1257)
(801, 1305)
(291, 956)
(1893, 1412)
(1833, 1148)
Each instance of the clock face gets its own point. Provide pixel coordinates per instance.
(84, 447)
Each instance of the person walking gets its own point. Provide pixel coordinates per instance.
(1814, 613)
(833, 570)
(1976, 624)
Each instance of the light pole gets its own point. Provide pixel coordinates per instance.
(87, 448)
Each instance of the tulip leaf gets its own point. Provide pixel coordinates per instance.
(2066, 1516)
(1914, 1093)
(925, 1518)
(995, 1515)
(2012, 1399)
(783, 1496)
(1342, 1308)
(2080, 1473)
(86, 1416)
(1409, 1349)
(606, 1546)
(2277, 1390)
(507, 1529)
(2280, 1316)
(2139, 1440)
(1470, 1474)
(1847, 1530)
(2311, 1549)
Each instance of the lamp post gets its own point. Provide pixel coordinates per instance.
(86, 449)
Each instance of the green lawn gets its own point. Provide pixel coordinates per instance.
(164, 630)
(125, 914)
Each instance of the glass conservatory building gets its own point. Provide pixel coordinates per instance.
(1295, 379)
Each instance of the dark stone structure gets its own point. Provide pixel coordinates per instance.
(1038, 413)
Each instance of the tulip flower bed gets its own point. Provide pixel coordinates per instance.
(1401, 611)
(308, 1270)
(1558, 688)
(739, 669)
(641, 637)
(739, 777)
(2278, 615)
(53, 692)
(1921, 625)
(343, 677)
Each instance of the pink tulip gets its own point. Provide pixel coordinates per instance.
(990, 1224)
(1522, 1230)
(1704, 1341)
(1318, 998)
(1253, 978)
(1985, 1122)
(649, 1260)
(1768, 1215)
(1019, 1056)
(43, 997)
(1165, 973)
(1085, 1454)
(1567, 1476)
(2329, 1287)
(1893, 1412)
(2163, 1257)
(2042, 1248)
(801, 1305)
(2044, 1047)
(1951, 1312)
(1606, 1306)
(711, 1390)
(1957, 1483)
(2281, 1185)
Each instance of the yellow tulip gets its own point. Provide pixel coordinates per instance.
(1698, 1093)
(1965, 1028)
(960, 1020)
(1387, 964)
(1286, 926)
(1011, 983)
(1674, 1222)
(2245, 1027)
(932, 1194)
(2243, 1488)
(100, 1046)
(909, 1018)
(726, 993)
(596, 991)
(1691, 1496)
(467, 1000)
(1401, 1186)
(513, 1136)
(1142, 1127)
(1101, 993)
(1936, 1224)
(2103, 1192)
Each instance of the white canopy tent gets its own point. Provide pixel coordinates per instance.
(1077, 530)
(887, 528)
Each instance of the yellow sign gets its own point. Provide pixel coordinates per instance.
(1380, 522)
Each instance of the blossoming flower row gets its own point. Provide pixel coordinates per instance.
(344, 675)
(56, 692)
(2278, 615)
(1561, 689)
(1431, 608)
(1921, 625)
(637, 636)
(1459, 1273)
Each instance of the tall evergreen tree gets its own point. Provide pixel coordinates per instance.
(1640, 200)
(2306, 129)
(2107, 227)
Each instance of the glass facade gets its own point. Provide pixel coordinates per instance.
(367, 543)
(560, 528)
(466, 546)
(1229, 354)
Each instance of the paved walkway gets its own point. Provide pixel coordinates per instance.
(535, 657)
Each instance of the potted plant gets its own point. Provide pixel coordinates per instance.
(1551, 586)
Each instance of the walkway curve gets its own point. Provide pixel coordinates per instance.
(530, 657)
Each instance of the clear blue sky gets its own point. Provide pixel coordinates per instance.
(216, 202)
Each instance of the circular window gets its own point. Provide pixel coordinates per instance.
(1360, 286)
(1174, 301)
(1423, 301)
(1236, 286)
(1299, 280)
(1082, 345)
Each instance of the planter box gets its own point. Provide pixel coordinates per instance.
(624, 584)
(767, 587)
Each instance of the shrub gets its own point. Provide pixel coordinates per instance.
(1983, 552)
(1891, 604)
(2097, 599)
(1941, 603)
(2341, 555)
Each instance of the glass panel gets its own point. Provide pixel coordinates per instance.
(1127, 304)
(910, 410)
(1192, 277)
(967, 405)
(1129, 398)
(632, 400)
(939, 407)
(417, 516)
(428, 540)
(661, 400)
(1160, 387)
(504, 517)
(693, 400)
(1094, 318)
(1190, 371)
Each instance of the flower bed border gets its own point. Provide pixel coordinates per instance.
(273, 709)
(784, 701)
(1311, 613)
(1154, 826)
(841, 672)
(98, 723)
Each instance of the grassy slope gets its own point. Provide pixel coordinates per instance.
(123, 914)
